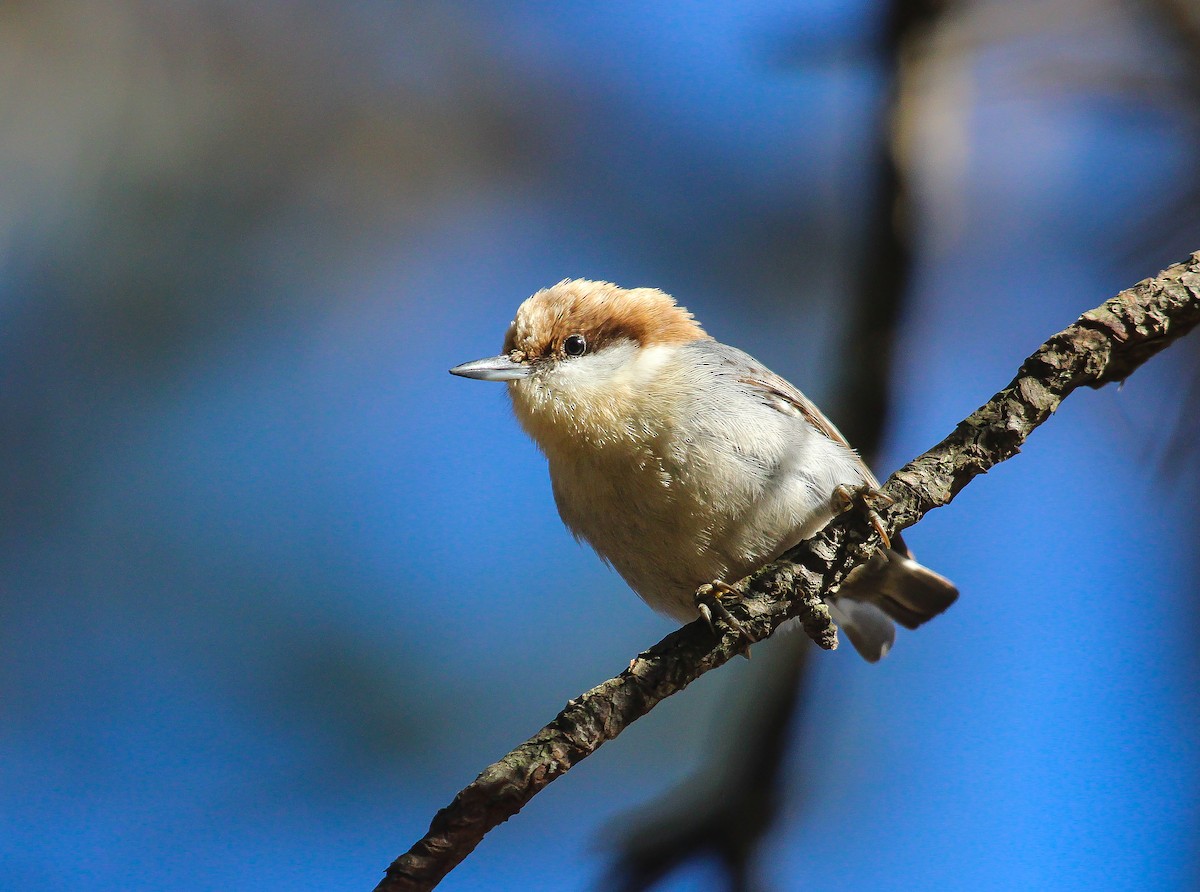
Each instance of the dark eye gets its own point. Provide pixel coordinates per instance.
(575, 345)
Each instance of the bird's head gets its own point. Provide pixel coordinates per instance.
(578, 353)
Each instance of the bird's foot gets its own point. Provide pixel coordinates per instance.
(708, 602)
(867, 500)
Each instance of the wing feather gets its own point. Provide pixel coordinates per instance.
(784, 396)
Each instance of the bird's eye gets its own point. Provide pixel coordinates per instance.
(575, 345)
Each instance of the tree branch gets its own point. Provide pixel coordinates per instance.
(1105, 344)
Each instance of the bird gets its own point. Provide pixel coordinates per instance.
(685, 462)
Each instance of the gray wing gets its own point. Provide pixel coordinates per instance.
(783, 396)
(892, 585)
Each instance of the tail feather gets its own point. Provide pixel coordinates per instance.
(867, 627)
(890, 586)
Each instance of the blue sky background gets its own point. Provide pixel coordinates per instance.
(275, 586)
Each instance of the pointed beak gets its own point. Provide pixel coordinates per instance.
(494, 368)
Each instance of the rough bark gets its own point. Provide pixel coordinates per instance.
(1105, 344)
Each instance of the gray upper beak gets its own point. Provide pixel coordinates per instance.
(494, 368)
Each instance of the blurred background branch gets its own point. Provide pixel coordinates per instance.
(725, 810)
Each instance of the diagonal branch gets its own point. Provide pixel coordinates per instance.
(1105, 344)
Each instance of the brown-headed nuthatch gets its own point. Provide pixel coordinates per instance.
(684, 461)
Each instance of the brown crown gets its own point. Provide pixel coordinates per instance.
(602, 313)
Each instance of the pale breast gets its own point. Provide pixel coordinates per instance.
(721, 482)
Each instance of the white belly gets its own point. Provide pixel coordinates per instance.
(669, 521)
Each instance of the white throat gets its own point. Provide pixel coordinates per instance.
(598, 399)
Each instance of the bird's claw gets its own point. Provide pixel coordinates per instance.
(865, 499)
(708, 602)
